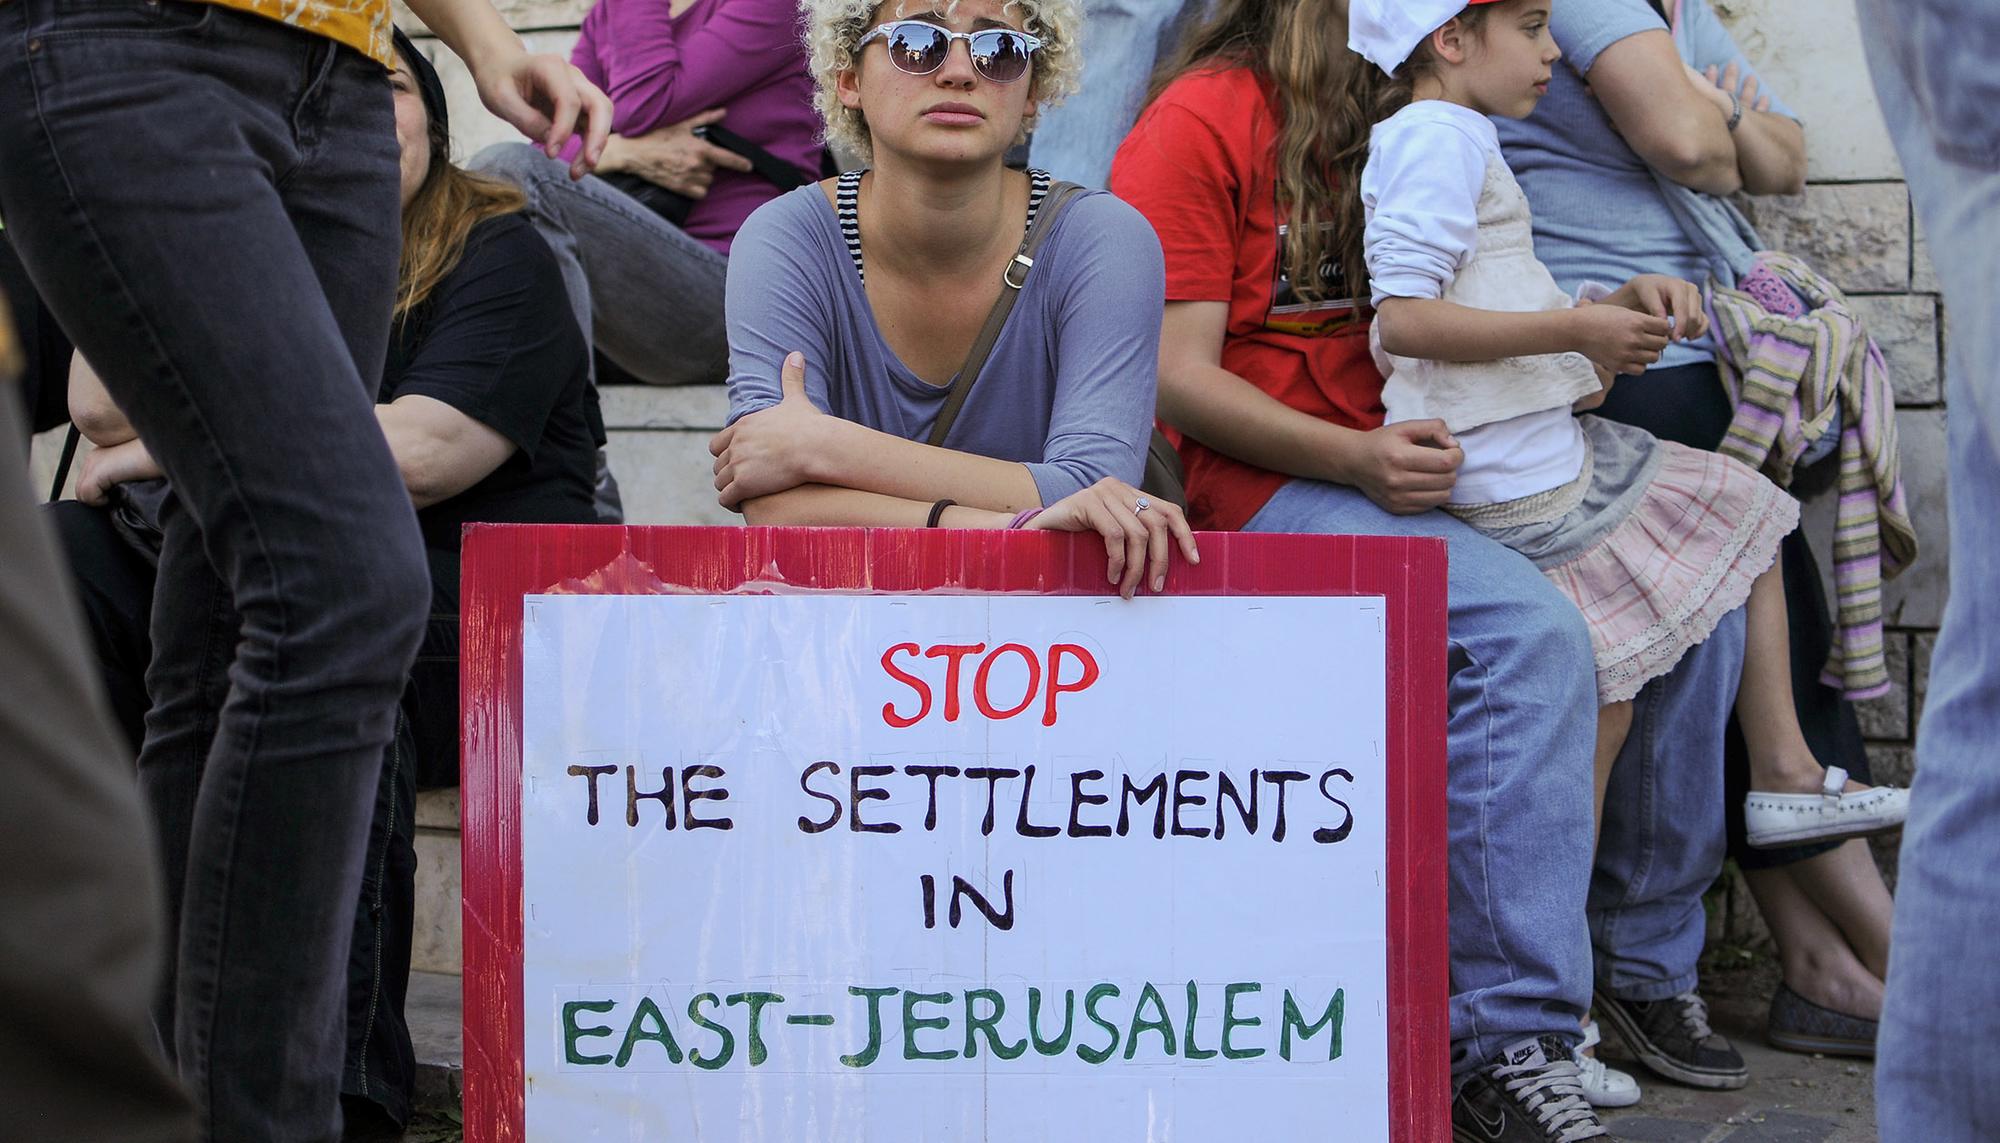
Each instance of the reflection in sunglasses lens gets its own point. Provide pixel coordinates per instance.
(920, 49)
(999, 56)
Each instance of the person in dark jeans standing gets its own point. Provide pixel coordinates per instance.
(204, 196)
(486, 402)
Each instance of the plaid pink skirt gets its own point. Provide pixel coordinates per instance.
(1655, 542)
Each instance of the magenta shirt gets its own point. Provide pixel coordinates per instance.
(744, 55)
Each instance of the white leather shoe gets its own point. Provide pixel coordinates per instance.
(1603, 1086)
(1832, 814)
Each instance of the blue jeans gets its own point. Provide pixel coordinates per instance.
(207, 201)
(1523, 717)
(1663, 839)
(1121, 40)
(1937, 76)
(645, 294)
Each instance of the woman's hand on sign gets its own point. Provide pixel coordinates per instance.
(1662, 295)
(769, 450)
(1407, 467)
(673, 157)
(1138, 540)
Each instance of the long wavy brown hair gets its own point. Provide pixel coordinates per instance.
(450, 203)
(1328, 100)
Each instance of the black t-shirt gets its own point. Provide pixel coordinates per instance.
(497, 341)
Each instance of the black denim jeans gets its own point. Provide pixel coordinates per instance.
(113, 575)
(207, 202)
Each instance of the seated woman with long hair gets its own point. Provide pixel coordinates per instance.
(854, 304)
(485, 401)
(1247, 163)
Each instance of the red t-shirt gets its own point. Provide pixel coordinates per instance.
(1201, 165)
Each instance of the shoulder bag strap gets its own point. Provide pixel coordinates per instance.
(70, 440)
(1013, 277)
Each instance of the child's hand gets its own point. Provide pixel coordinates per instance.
(1667, 297)
(1407, 467)
(1618, 339)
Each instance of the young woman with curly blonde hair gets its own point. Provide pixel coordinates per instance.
(854, 304)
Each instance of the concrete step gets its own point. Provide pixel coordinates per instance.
(435, 1011)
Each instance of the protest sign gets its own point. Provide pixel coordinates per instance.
(982, 856)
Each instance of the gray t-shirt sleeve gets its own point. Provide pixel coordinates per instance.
(1104, 309)
(1584, 28)
(777, 299)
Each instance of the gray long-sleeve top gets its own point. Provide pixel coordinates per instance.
(1068, 390)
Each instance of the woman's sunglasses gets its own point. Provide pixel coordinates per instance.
(1001, 55)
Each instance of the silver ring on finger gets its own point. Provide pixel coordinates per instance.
(1142, 505)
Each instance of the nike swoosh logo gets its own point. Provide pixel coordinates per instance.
(1491, 1128)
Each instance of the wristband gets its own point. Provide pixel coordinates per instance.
(937, 512)
(1021, 519)
(1735, 111)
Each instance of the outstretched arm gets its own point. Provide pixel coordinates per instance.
(1613, 337)
(541, 95)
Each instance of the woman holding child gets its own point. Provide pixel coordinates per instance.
(855, 304)
(486, 405)
(1282, 173)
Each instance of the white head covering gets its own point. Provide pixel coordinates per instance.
(1385, 32)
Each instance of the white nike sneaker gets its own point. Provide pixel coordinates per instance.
(1603, 1085)
(1830, 815)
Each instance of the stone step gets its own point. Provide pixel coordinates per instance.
(435, 1011)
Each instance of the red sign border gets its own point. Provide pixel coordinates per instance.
(505, 562)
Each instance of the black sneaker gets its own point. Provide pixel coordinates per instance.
(1532, 1093)
(1672, 1037)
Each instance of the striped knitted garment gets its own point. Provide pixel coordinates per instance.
(1791, 378)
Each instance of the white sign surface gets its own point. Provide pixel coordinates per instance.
(847, 867)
